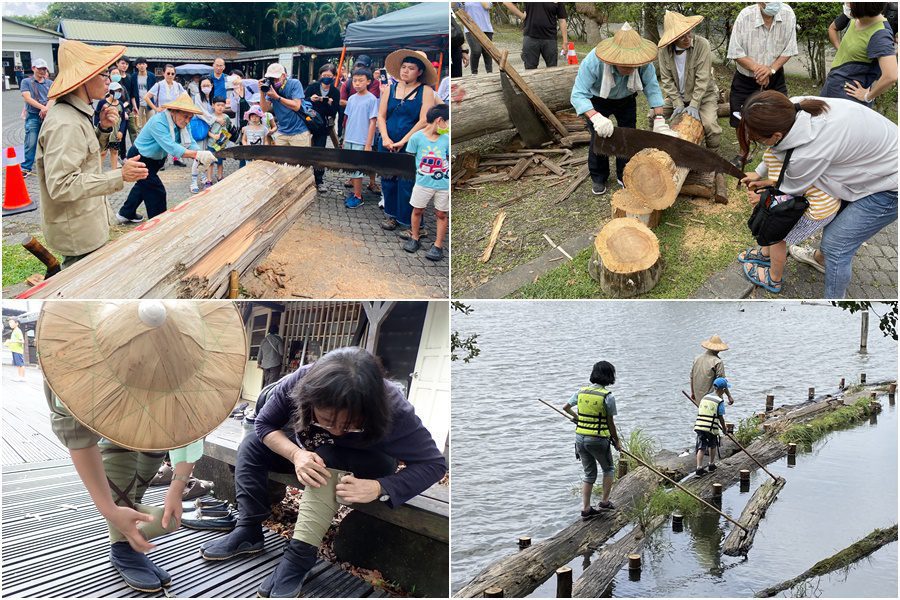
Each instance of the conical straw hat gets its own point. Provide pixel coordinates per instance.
(79, 62)
(626, 49)
(395, 59)
(147, 375)
(676, 25)
(184, 103)
(714, 343)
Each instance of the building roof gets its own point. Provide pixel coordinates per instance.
(100, 32)
(37, 30)
(274, 52)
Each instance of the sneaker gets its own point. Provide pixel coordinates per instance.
(807, 256)
(353, 201)
(389, 224)
(381, 203)
(406, 234)
(207, 185)
(321, 188)
(436, 253)
(605, 505)
(712, 468)
(194, 187)
(412, 245)
(598, 188)
(136, 569)
(125, 220)
(619, 181)
(243, 540)
(589, 514)
(26, 174)
(700, 471)
(178, 162)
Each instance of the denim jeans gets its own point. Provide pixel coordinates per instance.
(32, 129)
(858, 222)
(592, 450)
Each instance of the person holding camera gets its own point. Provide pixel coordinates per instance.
(283, 96)
(114, 100)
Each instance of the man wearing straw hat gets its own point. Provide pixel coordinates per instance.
(708, 367)
(685, 72)
(126, 382)
(165, 134)
(607, 84)
(74, 211)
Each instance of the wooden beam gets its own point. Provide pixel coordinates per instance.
(491, 49)
(738, 541)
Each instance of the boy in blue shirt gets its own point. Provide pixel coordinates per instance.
(710, 422)
(431, 145)
(359, 131)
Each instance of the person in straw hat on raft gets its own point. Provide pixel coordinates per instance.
(75, 214)
(707, 368)
(686, 76)
(126, 382)
(607, 84)
(165, 134)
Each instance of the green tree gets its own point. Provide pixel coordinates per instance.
(887, 322)
(458, 343)
(123, 12)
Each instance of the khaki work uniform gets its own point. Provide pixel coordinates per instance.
(706, 368)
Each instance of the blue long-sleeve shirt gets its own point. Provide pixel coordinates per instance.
(155, 139)
(590, 76)
(406, 439)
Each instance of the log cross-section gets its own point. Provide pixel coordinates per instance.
(190, 250)
(626, 260)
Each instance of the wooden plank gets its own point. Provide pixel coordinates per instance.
(553, 166)
(489, 47)
(519, 168)
(189, 250)
(495, 233)
(580, 176)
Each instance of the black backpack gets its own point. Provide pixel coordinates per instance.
(770, 223)
(315, 122)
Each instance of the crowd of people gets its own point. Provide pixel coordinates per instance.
(142, 123)
(833, 154)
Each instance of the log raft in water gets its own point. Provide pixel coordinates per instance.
(738, 541)
(190, 250)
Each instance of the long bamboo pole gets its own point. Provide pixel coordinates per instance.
(738, 444)
(660, 473)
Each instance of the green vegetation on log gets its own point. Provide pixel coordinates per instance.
(805, 434)
(662, 502)
(747, 430)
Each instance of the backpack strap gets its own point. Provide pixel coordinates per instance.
(784, 166)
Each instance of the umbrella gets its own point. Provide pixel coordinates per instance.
(193, 69)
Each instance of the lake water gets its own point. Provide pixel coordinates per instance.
(514, 470)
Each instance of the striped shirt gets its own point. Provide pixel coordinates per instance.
(821, 205)
(751, 38)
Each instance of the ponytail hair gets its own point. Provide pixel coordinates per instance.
(766, 113)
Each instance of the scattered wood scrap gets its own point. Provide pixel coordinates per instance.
(495, 233)
(552, 243)
(580, 176)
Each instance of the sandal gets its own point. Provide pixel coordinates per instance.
(769, 285)
(375, 189)
(163, 476)
(754, 256)
(605, 505)
(197, 488)
(589, 514)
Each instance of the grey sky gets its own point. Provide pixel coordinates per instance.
(24, 8)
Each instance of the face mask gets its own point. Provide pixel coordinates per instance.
(443, 131)
(847, 11)
(328, 80)
(772, 8)
(117, 95)
(116, 78)
(206, 90)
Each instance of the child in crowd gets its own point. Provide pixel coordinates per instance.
(268, 119)
(113, 98)
(431, 146)
(203, 99)
(254, 132)
(219, 134)
(359, 131)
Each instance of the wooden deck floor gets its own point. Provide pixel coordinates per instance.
(27, 436)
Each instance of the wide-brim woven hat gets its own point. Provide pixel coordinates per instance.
(79, 62)
(626, 48)
(676, 25)
(184, 104)
(714, 343)
(395, 59)
(147, 375)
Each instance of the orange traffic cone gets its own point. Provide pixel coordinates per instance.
(571, 57)
(15, 195)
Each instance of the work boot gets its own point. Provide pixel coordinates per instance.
(700, 471)
(287, 578)
(136, 569)
(589, 514)
(712, 467)
(245, 539)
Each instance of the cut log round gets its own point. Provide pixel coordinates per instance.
(626, 205)
(651, 174)
(626, 259)
(480, 109)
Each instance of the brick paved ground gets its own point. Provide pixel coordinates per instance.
(331, 252)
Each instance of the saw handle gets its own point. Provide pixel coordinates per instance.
(42, 254)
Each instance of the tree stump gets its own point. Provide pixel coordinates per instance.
(626, 259)
(652, 176)
(625, 204)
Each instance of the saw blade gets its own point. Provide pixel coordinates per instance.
(388, 164)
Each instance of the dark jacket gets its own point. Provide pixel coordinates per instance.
(406, 439)
(131, 84)
(322, 107)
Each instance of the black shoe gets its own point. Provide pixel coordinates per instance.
(287, 578)
(435, 254)
(136, 569)
(587, 515)
(243, 540)
(412, 245)
(598, 188)
(700, 471)
(389, 224)
(712, 468)
(606, 506)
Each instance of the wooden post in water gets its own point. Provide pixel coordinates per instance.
(634, 562)
(841, 386)
(564, 582)
(864, 331)
(812, 393)
(493, 592)
(770, 402)
(677, 522)
(792, 449)
(524, 542)
(717, 492)
(862, 378)
(729, 427)
(892, 393)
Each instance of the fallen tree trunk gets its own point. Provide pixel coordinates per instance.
(609, 561)
(481, 109)
(738, 541)
(844, 558)
(190, 250)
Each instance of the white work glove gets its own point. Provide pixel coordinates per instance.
(694, 112)
(660, 126)
(602, 125)
(205, 157)
(677, 111)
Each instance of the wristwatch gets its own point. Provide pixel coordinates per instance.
(184, 478)
(773, 71)
(384, 497)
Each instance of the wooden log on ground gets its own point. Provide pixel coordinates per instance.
(700, 185)
(495, 233)
(610, 559)
(721, 195)
(738, 541)
(626, 260)
(190, 250)
(482, 109)
(652, 176)
(575, 139)
(843, 559)
(625, 204)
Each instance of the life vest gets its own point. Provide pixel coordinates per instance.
(592, 412)
(708, 415)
